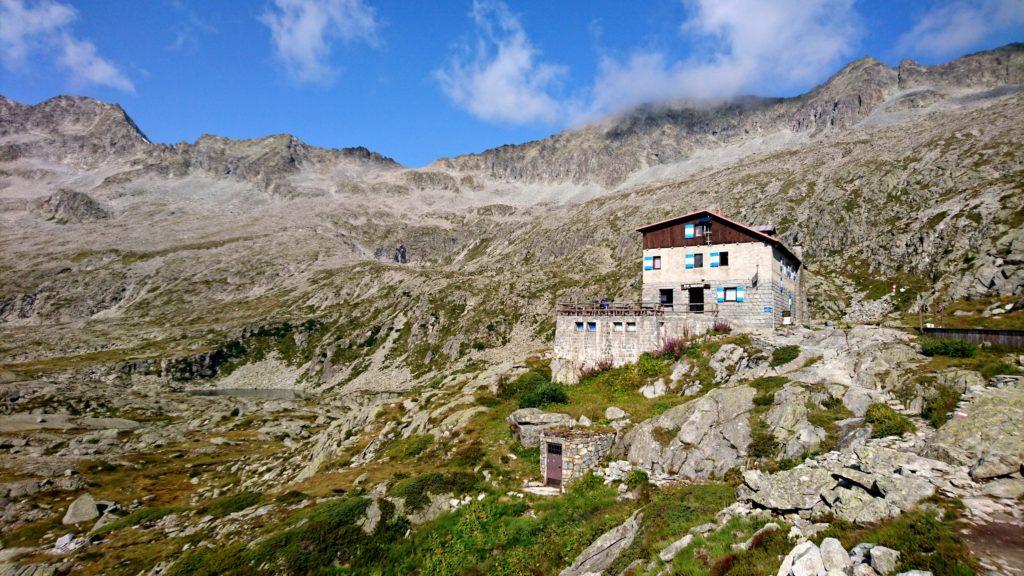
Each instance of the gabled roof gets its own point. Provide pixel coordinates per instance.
(768, 239)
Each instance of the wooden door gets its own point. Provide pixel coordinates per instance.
(554, 467)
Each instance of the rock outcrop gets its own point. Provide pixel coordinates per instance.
(603, 551)
(987, 436)
(702, 438)
(863, 485)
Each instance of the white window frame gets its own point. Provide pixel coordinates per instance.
(630, 326)
(591, 326)
(656, 263)
(729, 291)
(617, 327)
(579, 327)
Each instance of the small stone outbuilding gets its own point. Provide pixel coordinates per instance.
(568, 453)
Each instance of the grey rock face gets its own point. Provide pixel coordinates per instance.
(989, 437)
(83, 509)
(803, 560)
(709, 435)
(600, 555)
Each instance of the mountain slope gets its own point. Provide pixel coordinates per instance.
(609, 151)
(200, 242)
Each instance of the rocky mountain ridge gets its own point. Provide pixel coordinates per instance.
(609, 151)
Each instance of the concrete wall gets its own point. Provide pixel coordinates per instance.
(580, 454)
(612, 341)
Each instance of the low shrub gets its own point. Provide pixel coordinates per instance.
(938, 408)
(469, 455)
(762, 442)
(544, 395)
(784, 355)
(136, 517)
(602, 366)
(410, 447)
(636, 477)
(231, 503)
(887, 422)
(672, 347)
(416, 491)
(948, 347)
(721, 327)
(525, 382)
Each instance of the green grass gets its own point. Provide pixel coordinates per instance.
(410, 447)
(231, 503)
(669, 514)
(927, 538)
(712, 554)
(137, 517)
(762, 442)
(887, 422)
(938, 408)
(416, 490)
(784, 355)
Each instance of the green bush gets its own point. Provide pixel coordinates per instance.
(637, 477)
(231, 503)
(416, 491)
(137, 517)
(544, 395)
(762, 442)
(948, 347)
(784, 355)
(938, 408)
(887, 422)
(524, 383)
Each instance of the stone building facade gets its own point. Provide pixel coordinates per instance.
(568, 453)
(697, 269)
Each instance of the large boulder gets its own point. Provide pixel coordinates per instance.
(702, 438)
(528, 424)
(606, 549)
(791, 490)
(726, 361)
(987, 436)
(787, 419)
(83, 509)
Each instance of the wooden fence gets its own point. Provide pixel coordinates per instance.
(1013, 339)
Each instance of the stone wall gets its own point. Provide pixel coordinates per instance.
(582, 450)
(616, 339)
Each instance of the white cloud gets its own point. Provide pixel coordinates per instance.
(501, 78)
(304, 31)
(744, 43)
(952, 27)
(44, 29)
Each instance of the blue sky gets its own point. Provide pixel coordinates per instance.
(421, 80)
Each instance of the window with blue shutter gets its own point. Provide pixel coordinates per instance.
(720, 294)
(648, 262)
(739, 293)
(689, 261)
(714, 259)
(688, 229)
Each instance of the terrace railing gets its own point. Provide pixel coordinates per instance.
(607, 308)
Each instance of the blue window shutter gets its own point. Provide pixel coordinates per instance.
(720, 294)
(648, 263)
(689, 261)
(714, 259)
(739, 293)
(688, 228)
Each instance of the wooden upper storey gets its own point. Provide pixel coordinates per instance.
(693, 229)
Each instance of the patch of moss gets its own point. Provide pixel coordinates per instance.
(887, 422)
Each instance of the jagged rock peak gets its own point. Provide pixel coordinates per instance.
(610, 150)
(68, 115)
